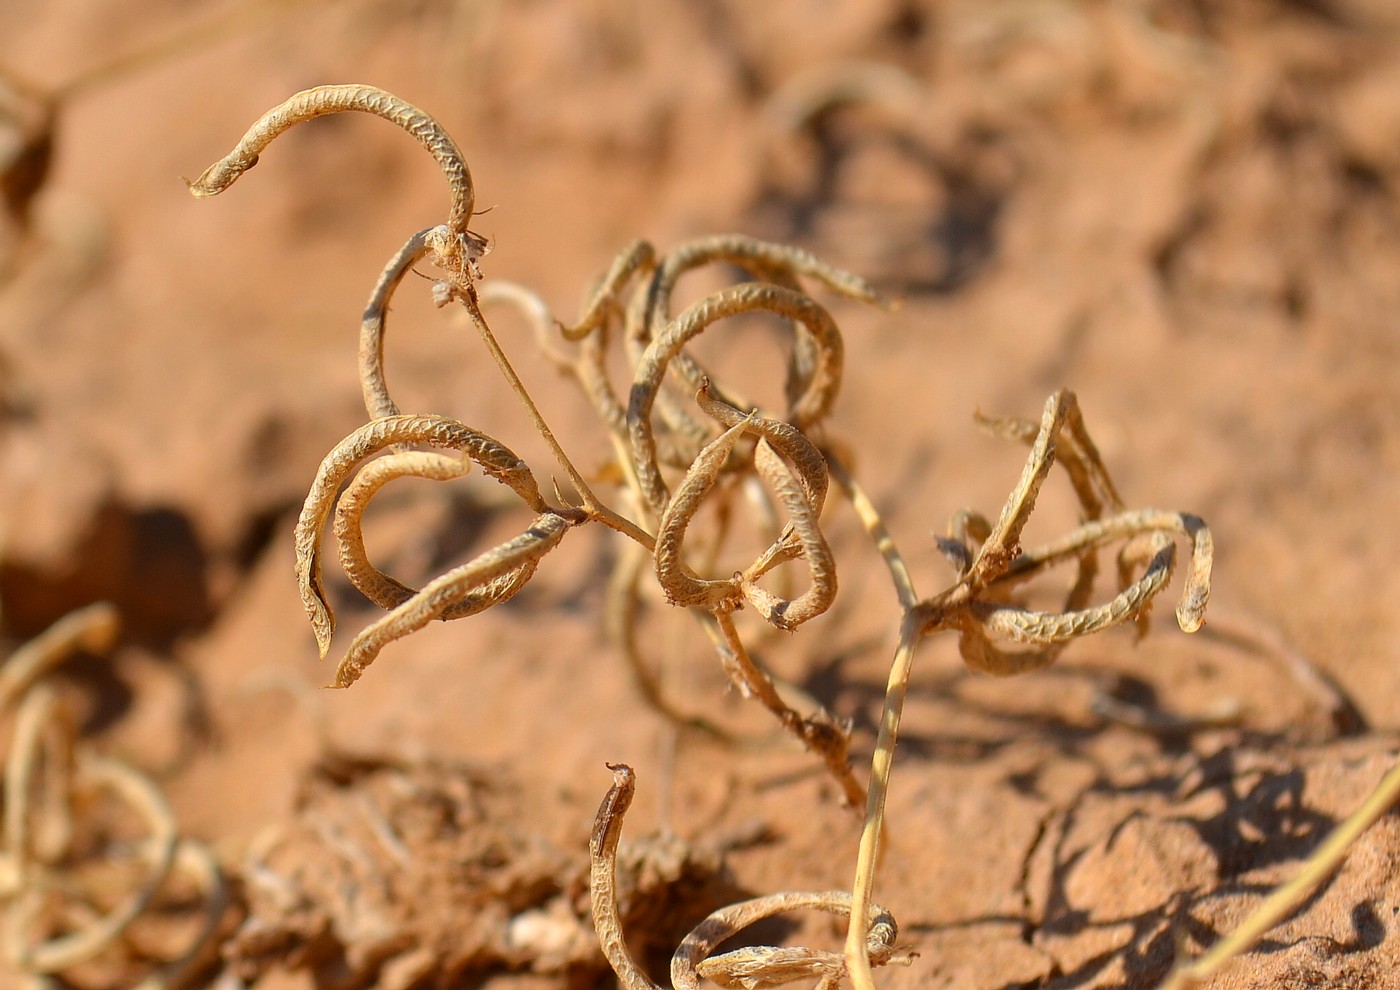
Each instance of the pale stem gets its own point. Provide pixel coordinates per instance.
(595, 508)
(879, 533)
(1285, 899)
(857, 957)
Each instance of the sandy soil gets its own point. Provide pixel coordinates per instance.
(1187, 213)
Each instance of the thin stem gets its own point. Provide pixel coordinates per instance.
(857, 958)
(879, 533)
(819, 734)
(595, 508)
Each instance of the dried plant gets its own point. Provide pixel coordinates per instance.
(751, 967)
(49, 924)
(683, 441)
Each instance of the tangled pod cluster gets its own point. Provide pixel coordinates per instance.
(684, 439)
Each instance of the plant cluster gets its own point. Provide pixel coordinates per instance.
(686, 442)
(61, 805)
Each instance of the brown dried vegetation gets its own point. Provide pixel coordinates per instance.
(654, 433)
(729, 514)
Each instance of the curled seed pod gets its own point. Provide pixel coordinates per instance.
(780, 612)
(682, 434)
(62, 952)
(592, 372)
(1000, 560)
(378, 587)
(322, 100)
(437, 431)
(1051, 631)
(512, 562)
(801, 490)
(1003, 544)
(789, 442)
(680, 585)
(649, 313)
(381, 589)
(38, 775)
(639, 256)
(93, 628)
(676, 446)
(455, 248)
(1056, 628)
(1075, 451)
(805, 463)
(1195, 595)
(762, 259)
(980, 653)
(780, 264)
(809, 408)
(762, 966)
